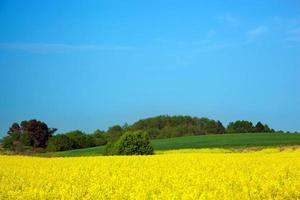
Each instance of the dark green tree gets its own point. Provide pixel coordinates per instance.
(259, 127)
(15, 128)
(267, 128)
(114, 133)
(38, 131)
(240, 126)
(79, 139)
(220, 129)
(33, 132)
(173, 126)
(99, 138)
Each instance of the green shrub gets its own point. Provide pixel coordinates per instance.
(59, 143)
(7, 142)
(16, 140)
(25, 139)
(132, 143)
(110, 149)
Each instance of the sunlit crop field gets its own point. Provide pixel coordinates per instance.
(185, 174)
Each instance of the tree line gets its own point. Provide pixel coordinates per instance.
(34, 134)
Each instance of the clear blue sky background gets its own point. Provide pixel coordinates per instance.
(92, 64)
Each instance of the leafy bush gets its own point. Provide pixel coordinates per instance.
(133, 143)
(110, 149)
(16, 140)
(25, 139)
(60, 143)
(7, 142)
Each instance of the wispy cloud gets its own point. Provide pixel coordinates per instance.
(295, 31)
(292, 38)
(205, 45)
(257, 31)
(212, 47)
(287, 30)
(59, 47)
(211, 33)
(228, 19)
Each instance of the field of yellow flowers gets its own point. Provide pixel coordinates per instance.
(183, 174)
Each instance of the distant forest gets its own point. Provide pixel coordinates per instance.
(34, 134)
(176, 126)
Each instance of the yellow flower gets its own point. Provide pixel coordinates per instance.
(182, 174)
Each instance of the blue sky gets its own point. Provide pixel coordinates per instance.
(92, 64)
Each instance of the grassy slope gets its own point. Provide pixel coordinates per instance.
(206, 141)
(93, 151)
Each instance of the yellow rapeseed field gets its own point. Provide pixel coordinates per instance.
(185, 174)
